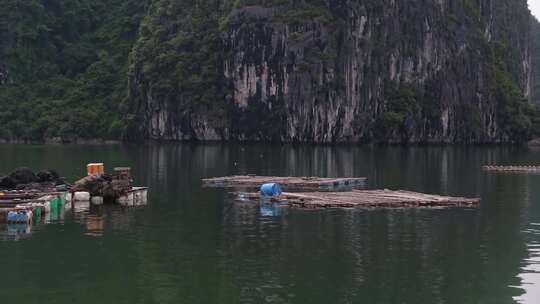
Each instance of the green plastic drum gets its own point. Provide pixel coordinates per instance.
(53, 215)
(54, 205)
(37, 212)
(61, 200)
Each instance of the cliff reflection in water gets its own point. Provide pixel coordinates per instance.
(196, 245)
(417, 256)
(465, 256)
(529, 274)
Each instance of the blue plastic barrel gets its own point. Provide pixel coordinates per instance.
(12, 216)
(271, 189)
(19, 216)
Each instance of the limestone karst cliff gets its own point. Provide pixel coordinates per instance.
(535, 51)
(334, 71)
(319, 71)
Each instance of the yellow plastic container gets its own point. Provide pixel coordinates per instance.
(95, 168)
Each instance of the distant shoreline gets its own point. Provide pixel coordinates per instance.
(97, 141)
(58, 141)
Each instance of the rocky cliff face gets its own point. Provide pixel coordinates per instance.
(535, 47)
(346, 71)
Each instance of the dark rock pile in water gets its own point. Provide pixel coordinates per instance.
(25, 179)
(96, 185)
(107, 186)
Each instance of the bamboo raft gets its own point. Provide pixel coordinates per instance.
(511, 169)
(14, 203)
(31, 201)
(289, 182)
(11, 199)
(22, 194)
(365, 199)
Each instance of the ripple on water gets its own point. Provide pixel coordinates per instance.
(530, 271)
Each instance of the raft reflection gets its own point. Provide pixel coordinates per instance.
(99, 219)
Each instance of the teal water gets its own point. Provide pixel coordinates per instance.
(195, 245)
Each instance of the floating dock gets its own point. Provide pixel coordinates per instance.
(39, 205)
(137, 196)
(288, 182)
(99, 188)
(50, 203)
(364, 199)
(45, 200)
(512, 169)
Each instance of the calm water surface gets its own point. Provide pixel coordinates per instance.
(194, 245)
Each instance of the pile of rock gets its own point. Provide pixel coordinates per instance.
(25, 179)
(107, 186)
(96, 185)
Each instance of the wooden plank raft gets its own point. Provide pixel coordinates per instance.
(284, 181)
(365, 199)
(13, 203)
(13, 196)
(512, 169)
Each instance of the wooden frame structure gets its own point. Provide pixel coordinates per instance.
(364, 199)
(288, 182)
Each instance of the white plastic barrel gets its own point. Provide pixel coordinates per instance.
(97, 200)
(81, 196)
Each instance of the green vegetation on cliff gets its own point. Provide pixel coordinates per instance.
(179, 50)
(66, 65)
(75, 69)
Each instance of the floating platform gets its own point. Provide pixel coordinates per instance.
(288, 182)
(135, 196)
(14, 195)
(365, 199)
(512, 169)
(45, 203)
